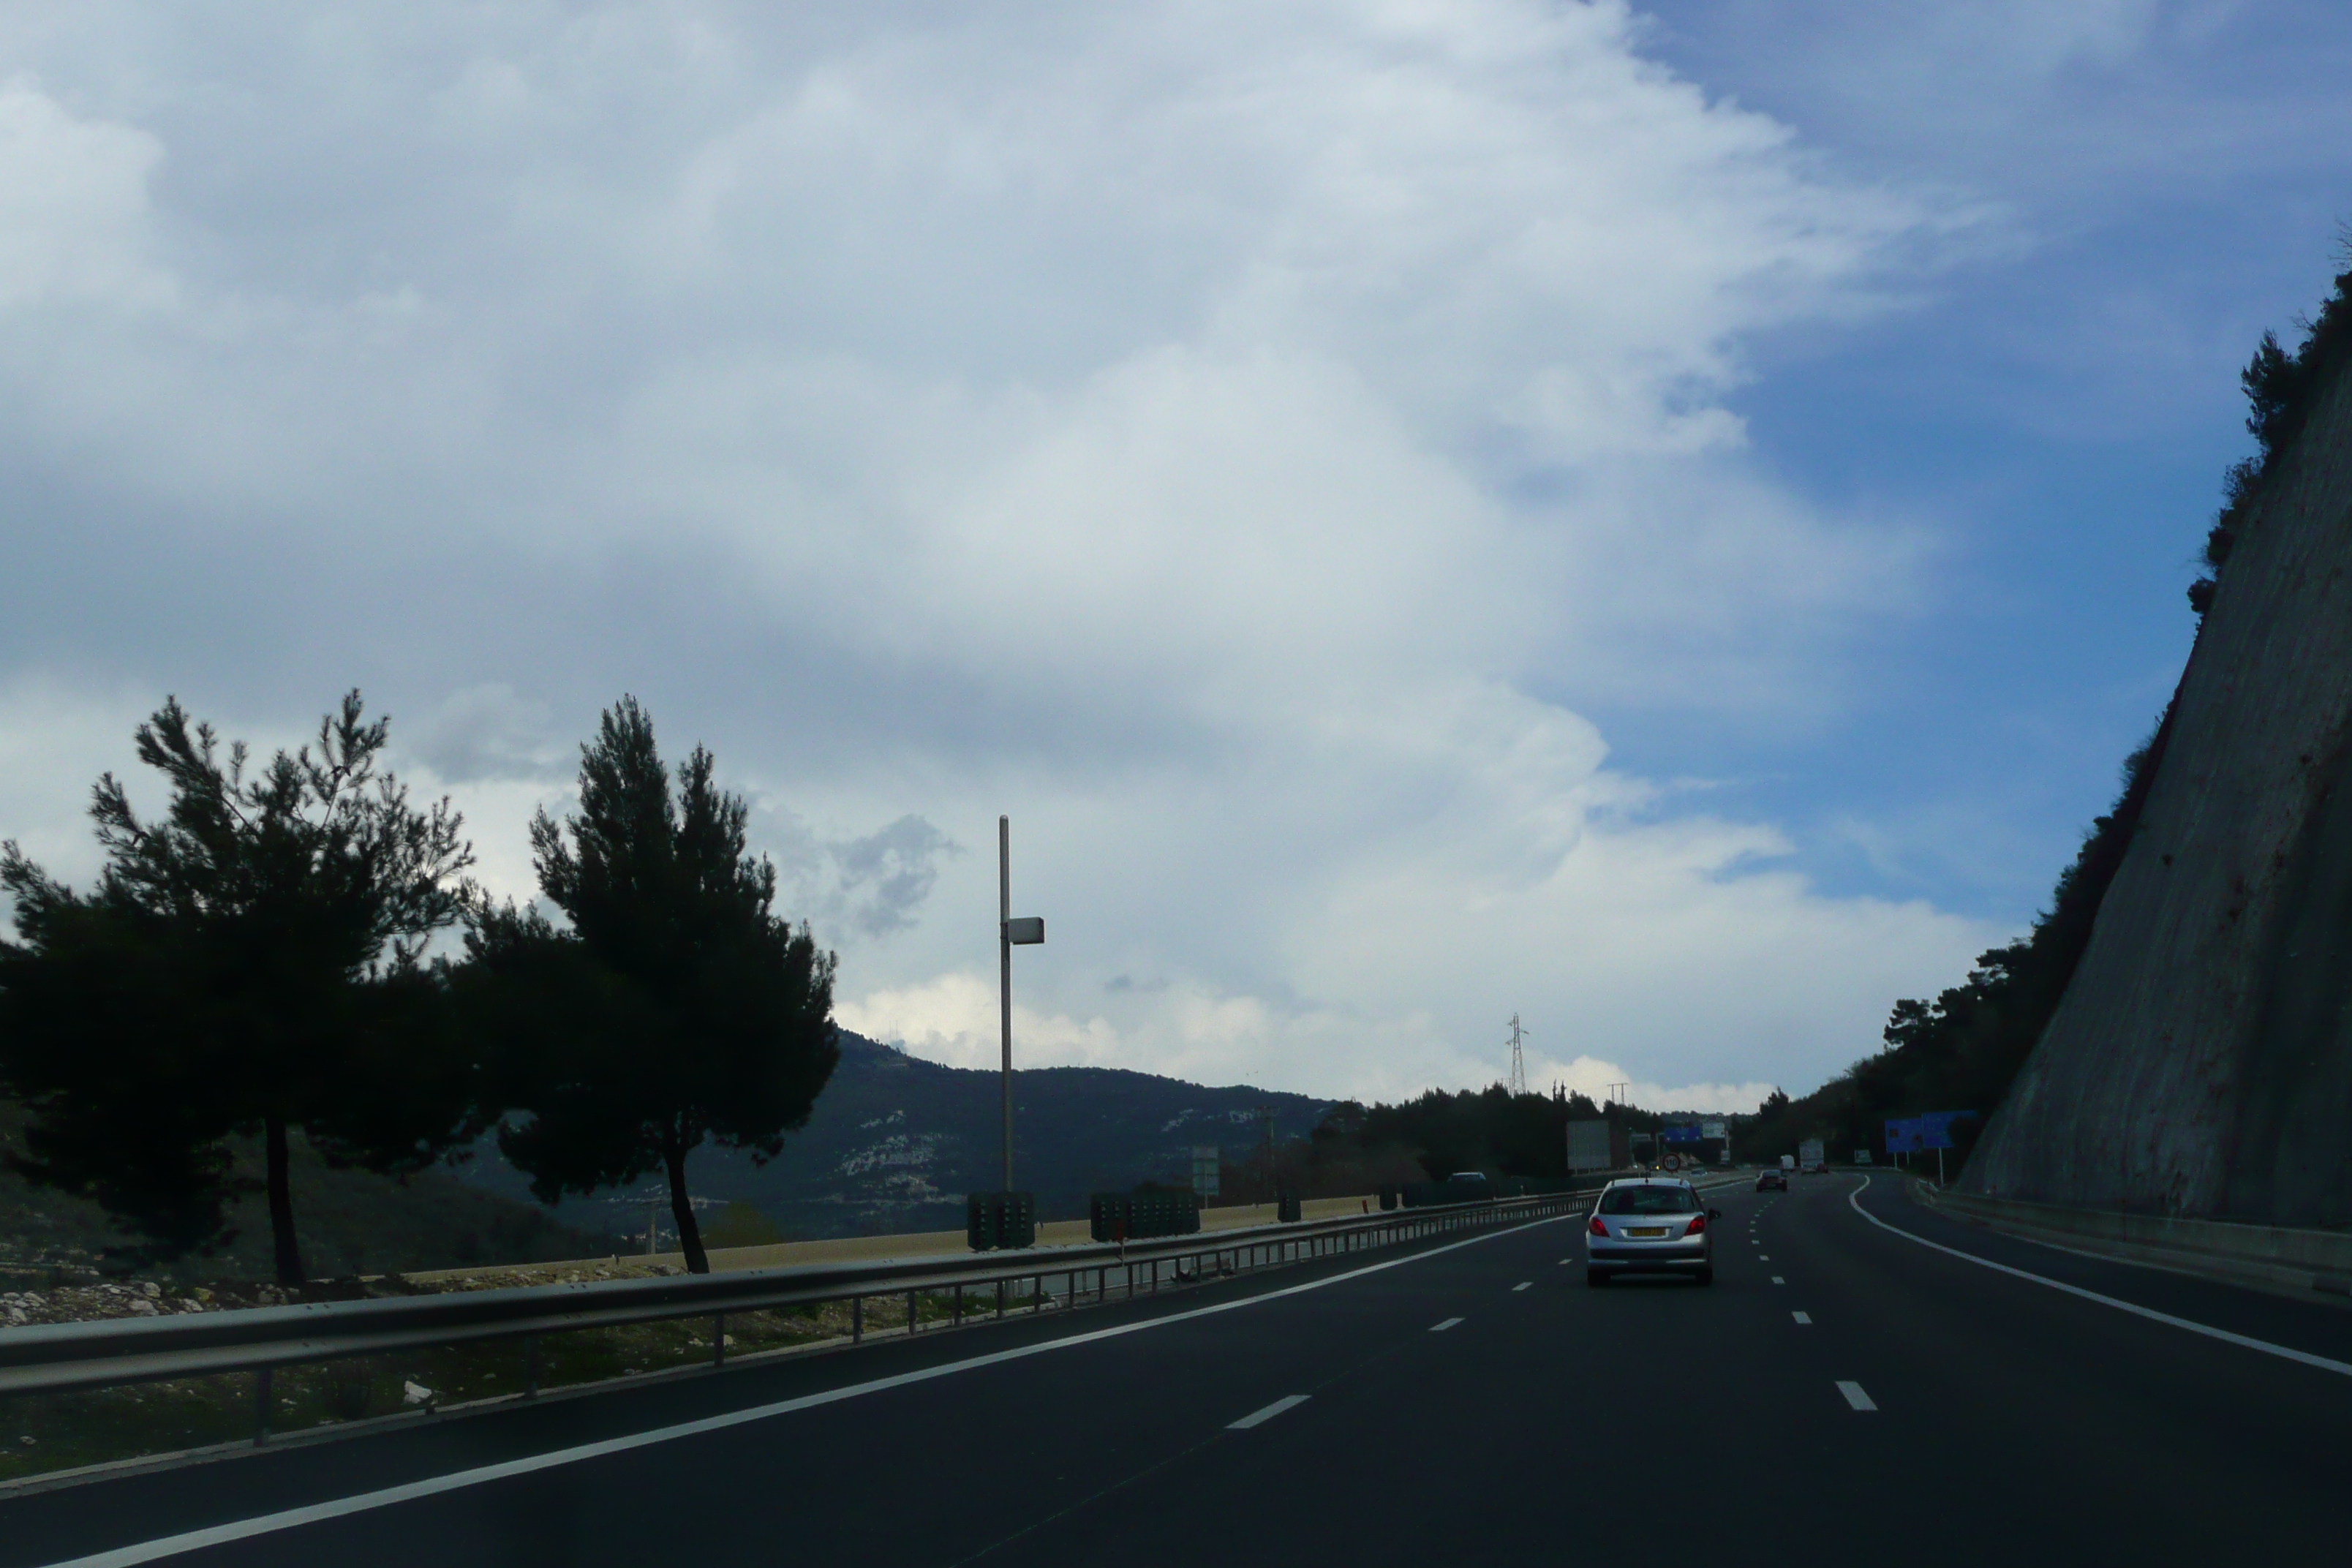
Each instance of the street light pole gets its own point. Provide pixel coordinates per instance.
(1010, 933)
(1004, 988)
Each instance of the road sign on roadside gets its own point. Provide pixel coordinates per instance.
(1917, 1134)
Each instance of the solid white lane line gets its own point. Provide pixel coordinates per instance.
(1440, 1328)
(339, 1508)
(1521, 1285)
(1778, 1281)
(1855, 1397)
(1802, 1317)
(1259, 1417)
(2246, 1341)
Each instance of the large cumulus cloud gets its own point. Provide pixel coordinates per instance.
(1239, 440)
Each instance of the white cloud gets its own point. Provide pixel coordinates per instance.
(1236, 439)
(54, 740)
(956, 1018)
(73, 207)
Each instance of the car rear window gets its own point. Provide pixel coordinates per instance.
(1649, 1200)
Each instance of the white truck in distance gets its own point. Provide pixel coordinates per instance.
(1811, 1156)
(1788, 1162)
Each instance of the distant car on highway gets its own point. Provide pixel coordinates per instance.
(1771, 1181)
(1652, 1225)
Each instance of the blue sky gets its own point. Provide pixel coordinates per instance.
(1661, 520)
(2169, 181)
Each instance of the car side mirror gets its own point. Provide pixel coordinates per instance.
(1715, 1214)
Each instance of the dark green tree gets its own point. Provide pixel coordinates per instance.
(678, 1006)
(250, 964)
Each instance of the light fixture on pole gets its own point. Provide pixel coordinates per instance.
(1010, 933)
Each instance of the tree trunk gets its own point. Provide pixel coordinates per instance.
(281, 1205)
(681, 1208)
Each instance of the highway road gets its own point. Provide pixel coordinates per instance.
(1842, 1394)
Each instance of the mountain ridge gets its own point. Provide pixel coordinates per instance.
(896, 1140)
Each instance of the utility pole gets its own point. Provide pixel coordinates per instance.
(1518, 1061)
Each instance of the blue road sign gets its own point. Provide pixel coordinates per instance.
(1936, 1127)
(1916, 1134)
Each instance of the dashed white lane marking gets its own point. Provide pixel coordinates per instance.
(1259, 1417)
(2245, 1342)
(1440, 1328)
(1802, 1317)
(1778, 1281)
(1522, 1285)
(1855, 1397)
(1763, 1257)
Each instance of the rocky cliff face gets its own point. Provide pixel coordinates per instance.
(2200, 1061)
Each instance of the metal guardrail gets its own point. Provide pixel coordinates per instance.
(60, 1357)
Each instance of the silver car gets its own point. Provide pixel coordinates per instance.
(1649, 1224)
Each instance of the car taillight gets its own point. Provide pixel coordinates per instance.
(1596, 1227)
(1696, 1225)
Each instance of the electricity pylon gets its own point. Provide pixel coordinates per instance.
(1518, 1061)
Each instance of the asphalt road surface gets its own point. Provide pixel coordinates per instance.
(1841, 1394)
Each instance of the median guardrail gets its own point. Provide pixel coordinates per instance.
(63, 1357)
(55, 1357)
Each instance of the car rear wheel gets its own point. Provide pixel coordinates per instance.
(1596, 1278)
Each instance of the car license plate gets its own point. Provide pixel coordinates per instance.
(1645, 1230)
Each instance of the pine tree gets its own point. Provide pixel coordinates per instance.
(248, 965)
(677, 1007)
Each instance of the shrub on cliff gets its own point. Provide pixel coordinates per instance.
(2279, 387)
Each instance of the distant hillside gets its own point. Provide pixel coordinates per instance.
(896, 1142)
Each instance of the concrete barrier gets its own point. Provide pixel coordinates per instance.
(2261, 1254)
